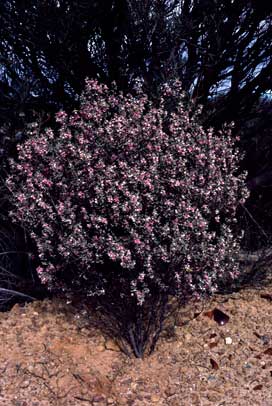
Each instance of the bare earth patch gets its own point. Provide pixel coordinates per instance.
(49, 356)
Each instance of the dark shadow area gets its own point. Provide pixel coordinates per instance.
(19, 282)
(255, 272)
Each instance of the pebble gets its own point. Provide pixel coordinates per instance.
(99, 399)
(25, 384)
(155, 398)
(100, 348)
(228, 340)
(112, 346)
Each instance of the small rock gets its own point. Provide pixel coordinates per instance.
(25, 384)
(99, 401)
(126, 381)
(228, 340)
(100, 348)
(134, 385)
(155, 398)
(84, 330)
(112, 346)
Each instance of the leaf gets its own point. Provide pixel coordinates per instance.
(220, 317)
(214, 364)
(209, 314)
(266, 296)
(264, 338)
(217, 315)
(258, 387)
(268, 351)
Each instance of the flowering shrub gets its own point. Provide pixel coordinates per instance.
(136, 185)
(131, 182)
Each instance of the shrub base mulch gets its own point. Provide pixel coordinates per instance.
(50, 355)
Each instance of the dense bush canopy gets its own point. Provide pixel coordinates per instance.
(138, 186)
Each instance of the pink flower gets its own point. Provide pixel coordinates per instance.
(112, 255)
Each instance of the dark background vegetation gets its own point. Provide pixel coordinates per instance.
(220, 50)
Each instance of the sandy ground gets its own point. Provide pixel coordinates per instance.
(49, 355)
